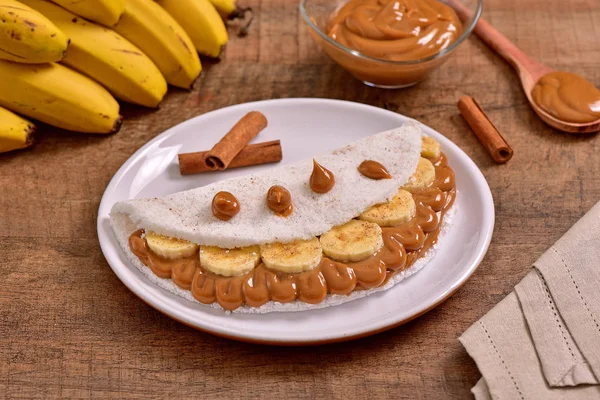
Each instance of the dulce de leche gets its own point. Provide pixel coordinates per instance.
(225, 206)
(321, 179)
(279, 200)
(567, 97)
(395, 30)
(373, 170)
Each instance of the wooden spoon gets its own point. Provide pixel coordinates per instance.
(529, 71)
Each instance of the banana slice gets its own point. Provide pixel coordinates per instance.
(353, 241)
(393, 213)
(229, 262)
(296, 256)
(430, 148)
(423, 176)
(169, 248)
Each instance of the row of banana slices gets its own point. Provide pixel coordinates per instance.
(351, 242)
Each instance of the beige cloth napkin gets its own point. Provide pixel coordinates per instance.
(562, 362)
(544, 338)
(481, 391)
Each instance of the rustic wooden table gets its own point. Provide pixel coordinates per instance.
(69, 328)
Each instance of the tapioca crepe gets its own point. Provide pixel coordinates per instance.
(285, 278)
(187, 215)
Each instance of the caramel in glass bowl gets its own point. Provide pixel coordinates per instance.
(390, 43)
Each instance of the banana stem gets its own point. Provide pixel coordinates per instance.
(240, 13)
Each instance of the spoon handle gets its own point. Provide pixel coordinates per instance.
(529, 70)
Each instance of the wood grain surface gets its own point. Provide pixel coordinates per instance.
(69, 328)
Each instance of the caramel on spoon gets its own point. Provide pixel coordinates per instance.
(563, 100)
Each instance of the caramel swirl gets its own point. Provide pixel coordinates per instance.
(402, 246)
(279, 200)
(321, 179)
(567, 97)
(397, 30)
(374, 170)
(225, 206)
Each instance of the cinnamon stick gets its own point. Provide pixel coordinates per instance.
(485, 130)
(223, 153)
(252, 154)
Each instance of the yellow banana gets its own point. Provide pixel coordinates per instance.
(15, 132)
(201, 21)
(105, 12)
(399, 210)
(156, 33)
(353, 241)
(229, 262)
(59, 96)
(296, 256)
(225, 7)
(423, 176)
(107, 57)
(170, 248)
(27, 36)
(430, 148)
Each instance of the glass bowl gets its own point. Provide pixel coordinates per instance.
(379, 72)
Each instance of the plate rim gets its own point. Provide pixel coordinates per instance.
(462, 279)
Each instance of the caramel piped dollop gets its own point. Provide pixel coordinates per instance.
(279, 200)
(321, 179)
(374, 170)
(225, 206)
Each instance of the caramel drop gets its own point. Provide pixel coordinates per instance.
(279, 200)
(321, 179)
(374, 170)
(225, 206)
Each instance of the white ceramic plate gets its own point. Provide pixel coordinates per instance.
(306, 127)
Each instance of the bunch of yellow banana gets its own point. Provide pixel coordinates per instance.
(150, 44)
(58, 96)
(156, 33)
(107, 57)
(15, 132)
(105, 12)
(201, 21)
(27, 36)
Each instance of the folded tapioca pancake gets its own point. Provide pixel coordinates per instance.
(392, 212)
(187, 215)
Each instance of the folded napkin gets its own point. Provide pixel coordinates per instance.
(481, 390)
(543, 339)
(562, 362)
